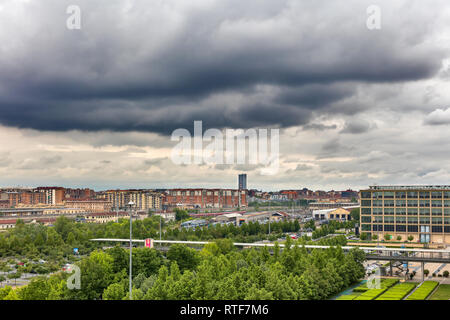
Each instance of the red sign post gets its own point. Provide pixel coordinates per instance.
(149, 243)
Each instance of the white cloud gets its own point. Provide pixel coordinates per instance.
(438, 117)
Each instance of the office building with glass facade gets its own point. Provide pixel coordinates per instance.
(422, 212)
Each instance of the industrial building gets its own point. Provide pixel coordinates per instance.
(339, 214)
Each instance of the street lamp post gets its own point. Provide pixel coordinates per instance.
(131, 204)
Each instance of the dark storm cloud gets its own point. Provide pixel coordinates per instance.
(140, 66)
(314, 96)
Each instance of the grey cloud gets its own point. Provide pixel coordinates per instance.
(50, 160)
(147, 67)
(357, 126)
(438, 117)
(319, 126)
(300, 168)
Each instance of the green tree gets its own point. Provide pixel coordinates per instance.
(180, 214)
(354, 214)
(310, 224)
(146, 261)
(96, 275)
(38, 289)
(185, 257)
(225, 245)
(115, 291)
(11, 294)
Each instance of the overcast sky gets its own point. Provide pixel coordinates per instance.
(95, 107)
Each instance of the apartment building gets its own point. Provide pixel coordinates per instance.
(79, 193)
(422, 212)
(205, 198)
(25, 198)
(144, 199)
(52, 195)
(242, 181)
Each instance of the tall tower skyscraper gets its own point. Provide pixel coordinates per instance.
(242, 184)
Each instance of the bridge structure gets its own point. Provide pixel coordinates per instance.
(404, 255)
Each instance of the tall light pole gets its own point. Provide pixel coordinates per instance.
(269, 216)
(131, 205)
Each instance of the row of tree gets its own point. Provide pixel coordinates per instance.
(218, 271)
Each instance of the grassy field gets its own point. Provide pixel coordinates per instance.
(442, 293)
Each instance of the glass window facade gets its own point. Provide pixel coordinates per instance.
(420, 212)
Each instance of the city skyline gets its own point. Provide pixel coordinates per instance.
(96, 106)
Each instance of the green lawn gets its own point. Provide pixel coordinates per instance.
(371, 294)
(442, 293)
(347, 297)
(362, 292)
(398, 292)
(423, 291)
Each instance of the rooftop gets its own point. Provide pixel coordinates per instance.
(416, 187)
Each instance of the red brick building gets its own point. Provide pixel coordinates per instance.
(25, 198)
(53, 195)
(73, 194)
(205, 198)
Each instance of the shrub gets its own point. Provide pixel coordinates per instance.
(426, 272)
(445, 274)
